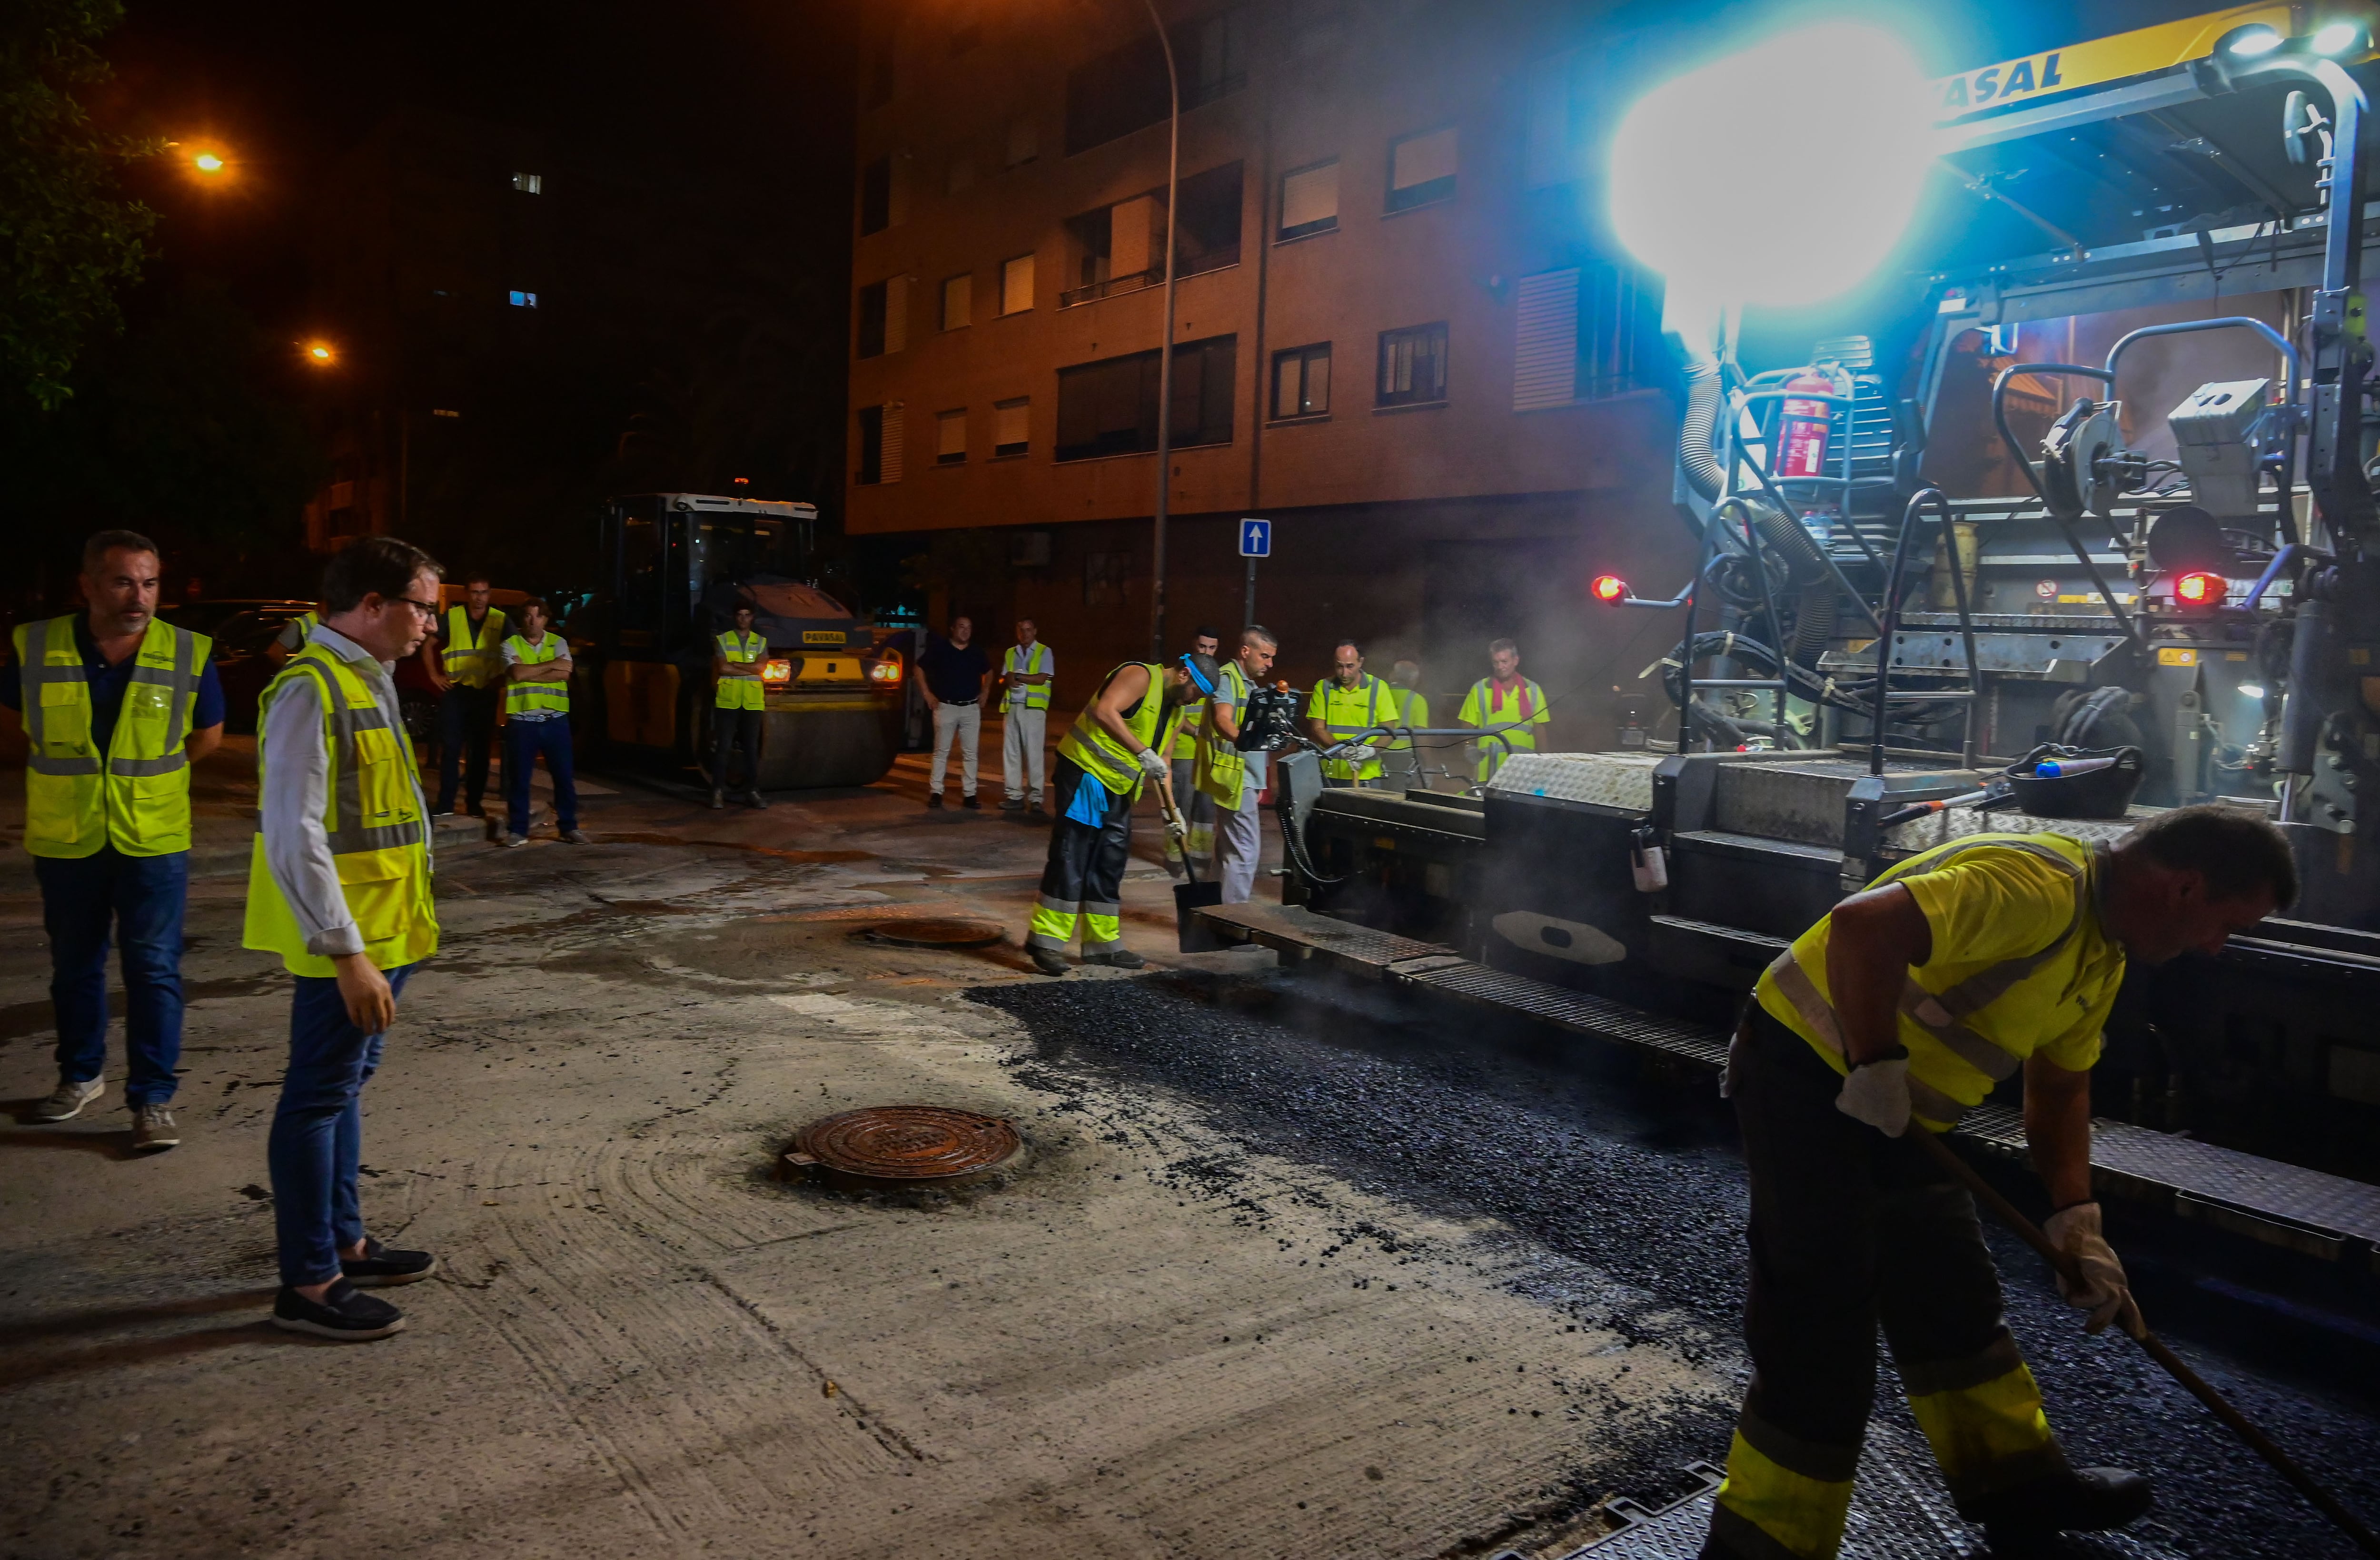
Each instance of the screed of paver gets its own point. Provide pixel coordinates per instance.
(629, 1350)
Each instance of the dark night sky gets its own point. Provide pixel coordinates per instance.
(760, 90)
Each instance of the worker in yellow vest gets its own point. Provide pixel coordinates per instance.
(1504, 700)
(339, 885)
(292, 637)
(116, 705)
(537, 721)
(739, 707)
(1346, 704)
(1401, 765)
(1232, 778)
(1101, 763)
(1027, 671)
(463, 659)
(1976, 961)
(1197, 810)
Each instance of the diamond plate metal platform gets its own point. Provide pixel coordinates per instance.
(2321, 1215)
(1610, 780)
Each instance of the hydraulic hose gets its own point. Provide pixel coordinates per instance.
(1695, 458)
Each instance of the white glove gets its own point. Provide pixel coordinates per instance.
(2098, 1285)
(1152, 766)
(1361, 752)
(1877, 1094)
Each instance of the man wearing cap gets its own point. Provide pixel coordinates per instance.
(116, 705)
(1102, 765)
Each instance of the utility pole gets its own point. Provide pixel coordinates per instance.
(1165, 351)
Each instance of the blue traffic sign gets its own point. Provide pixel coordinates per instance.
(1255, 539)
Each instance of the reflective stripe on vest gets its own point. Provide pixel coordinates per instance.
(472, 658)
(74, 800)
(1036, 694)
(1089, 744)
(1337, 719)
(535, 698)
(1941, 1014)
(737, 693)
(374, 818)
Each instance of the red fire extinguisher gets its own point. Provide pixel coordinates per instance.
(1803, 427)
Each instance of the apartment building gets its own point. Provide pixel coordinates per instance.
(1401, 334)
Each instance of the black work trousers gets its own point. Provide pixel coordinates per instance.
(1082, 885)
(1849, 1228)
(731, 730)
(467, 722)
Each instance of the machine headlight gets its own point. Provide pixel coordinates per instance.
(885, 671)
(2339, 37)
(777, 672)
(2252, 42)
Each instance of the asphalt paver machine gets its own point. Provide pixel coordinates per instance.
(2097, 478)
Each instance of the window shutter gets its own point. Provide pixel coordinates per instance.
(896, 313)
(959, 302)
(1010, 422)
(1016, 285)
(1308, 197)
(893, 443)
(949, 436)
(1545, 352)
(1424, 159)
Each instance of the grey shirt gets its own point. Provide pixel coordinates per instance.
(296, 779)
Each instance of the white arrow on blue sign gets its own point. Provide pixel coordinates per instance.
(1255, 539)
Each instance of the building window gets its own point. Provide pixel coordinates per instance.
(1421, 169)
(883, 317)
(1109, 408)
(1125, 89)
(1301, 381)
(876, 196)
(949, 438)
(879, 444)
(1582, 334)
(1121, 248)
(523, 300)
(959, 302)
(1011, 426)
(1413, 366)
(1024, 142)
(1016, 285)
(530, 184)
(1209, 228)
(1309, 200)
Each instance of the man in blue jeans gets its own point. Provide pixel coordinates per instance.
(116, 707)
(537, 719)
(339, 885)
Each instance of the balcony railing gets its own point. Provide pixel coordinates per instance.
(1133, 281)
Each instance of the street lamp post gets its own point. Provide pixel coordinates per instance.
(1165, 350)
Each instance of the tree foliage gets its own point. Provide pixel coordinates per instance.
(69, 242)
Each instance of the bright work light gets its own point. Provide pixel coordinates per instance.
(2252, 42)
(2339, 37)
(1779, 175)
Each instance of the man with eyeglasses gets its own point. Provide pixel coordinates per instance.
(339, 885)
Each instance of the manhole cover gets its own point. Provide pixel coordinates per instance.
(894, 1147)
(934, 932)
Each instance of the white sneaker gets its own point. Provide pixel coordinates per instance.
(577, 837)
(66, 1102)
(514, 841)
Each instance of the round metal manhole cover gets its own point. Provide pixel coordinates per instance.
(951, 932)
(902, 1147)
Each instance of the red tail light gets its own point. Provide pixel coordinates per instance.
(1609, 588)
(2201, 587)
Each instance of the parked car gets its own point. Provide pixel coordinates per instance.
(243, 654)
(209, 616)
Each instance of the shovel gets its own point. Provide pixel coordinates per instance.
(1191, 934)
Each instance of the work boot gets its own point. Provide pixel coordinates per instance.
(970, 803)
(934, 799)
(1012, 805)
(65, 1102)
(718, 798)
(152, 1129)
(1117, 959)
(2082, 1499)
(754, 799)
(1047, 962)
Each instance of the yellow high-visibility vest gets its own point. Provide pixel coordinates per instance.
(529, 698)
(471, 658)
(1099, 755)
(1487, 706)
(374, 817)
(1019, 658)
(1346, 711)
(733, 693)
(1222, 770)
(135, 796)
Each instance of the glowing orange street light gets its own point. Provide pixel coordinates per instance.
(322, 354)
(208, 162)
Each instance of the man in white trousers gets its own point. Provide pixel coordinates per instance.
(1239, 829)
(1026, 674)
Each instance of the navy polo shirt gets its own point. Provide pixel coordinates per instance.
(107, 684)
